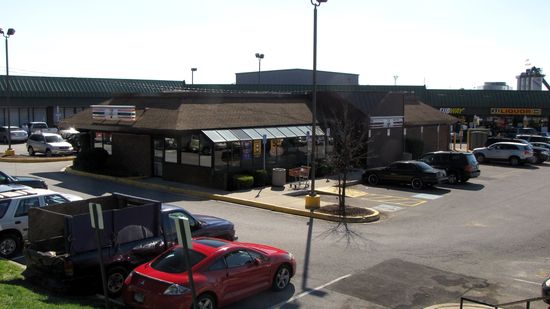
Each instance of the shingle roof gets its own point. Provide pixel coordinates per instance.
(418, 113)
(152, 114)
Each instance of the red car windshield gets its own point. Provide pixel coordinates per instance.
(173, 261)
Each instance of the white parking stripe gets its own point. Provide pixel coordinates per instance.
(279, 305)
(531, 282)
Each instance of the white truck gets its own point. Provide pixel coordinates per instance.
(35, 126)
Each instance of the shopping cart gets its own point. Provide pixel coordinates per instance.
(300, 176)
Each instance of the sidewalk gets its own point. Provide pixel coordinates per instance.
(281, 199)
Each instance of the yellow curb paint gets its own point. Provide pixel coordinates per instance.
(36, 159)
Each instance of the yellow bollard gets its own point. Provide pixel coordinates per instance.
(313, 202)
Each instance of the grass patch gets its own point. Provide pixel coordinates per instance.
(15, 293)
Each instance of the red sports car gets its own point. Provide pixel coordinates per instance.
(223, 272)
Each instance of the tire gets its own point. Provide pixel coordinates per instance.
(115, 280)
(10, 245)
(453, 178)
(281, 278)
(417, 183)
(372, 179)
(514, 161)
(48, 153)
(31, 151)
(480, 158)
(206, 301)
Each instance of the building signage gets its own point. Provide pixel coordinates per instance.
(257, 148)
(516, 111)
(114, 112)
(384, 122)
(452, 110)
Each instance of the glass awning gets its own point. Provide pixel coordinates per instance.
(248, 134)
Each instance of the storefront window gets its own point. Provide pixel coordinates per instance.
(103, 140)
(170, 150)
(220, 150)
(205, 153)
(190, 146)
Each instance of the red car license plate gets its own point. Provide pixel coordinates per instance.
(138, 297)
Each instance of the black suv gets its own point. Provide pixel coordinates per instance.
(460, 166)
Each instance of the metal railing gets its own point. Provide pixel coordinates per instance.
(527, 302)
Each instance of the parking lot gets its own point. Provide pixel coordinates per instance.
(485, 238)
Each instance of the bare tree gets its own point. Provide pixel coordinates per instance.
(349, 134)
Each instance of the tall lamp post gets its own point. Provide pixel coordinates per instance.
(6, 35)
(260, 57)
(193, 70)
(313, 201)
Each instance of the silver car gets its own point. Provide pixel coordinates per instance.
(17, 134)
(514, 153)
(48, 144)
(15, 201)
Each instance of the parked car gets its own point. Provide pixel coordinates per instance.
(540, 154)
(223, 272)
(417, 173)
(38, 126)
(139, 229)
(492, 140)
(15, 202)
(459, 166)
(515, 153)
(30, 181)
(541, 145)
(545, 292)
(16, 134)
(48, 144)
(534, 138)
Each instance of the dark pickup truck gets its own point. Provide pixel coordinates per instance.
(61, 251)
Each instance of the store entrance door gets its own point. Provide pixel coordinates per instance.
(158, 156)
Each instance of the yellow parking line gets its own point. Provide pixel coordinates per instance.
(401, 201)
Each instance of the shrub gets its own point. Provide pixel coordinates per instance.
(415, 147)
(260, 178)
(323, 169)
(92, 160)
(242, 181)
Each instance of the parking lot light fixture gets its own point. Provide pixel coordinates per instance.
(315, 4)
(193, 70)
(6, 35)
(260, 57)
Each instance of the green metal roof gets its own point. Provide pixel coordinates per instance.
(74, 87)
(36, 86)
(488, 98)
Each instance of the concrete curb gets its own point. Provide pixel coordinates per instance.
(17, 159)
(375, 216)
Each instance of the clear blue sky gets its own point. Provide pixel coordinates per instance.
(442, 43)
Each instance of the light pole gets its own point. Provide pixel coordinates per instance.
(395, 77)
(6, 35)
(260, 57)
(193, 70)
(312, 195)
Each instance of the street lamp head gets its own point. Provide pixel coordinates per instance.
(259, 56)
(11, 31)
(193, 69)
(318, 2)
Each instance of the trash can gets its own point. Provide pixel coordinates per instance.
(278, 178)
